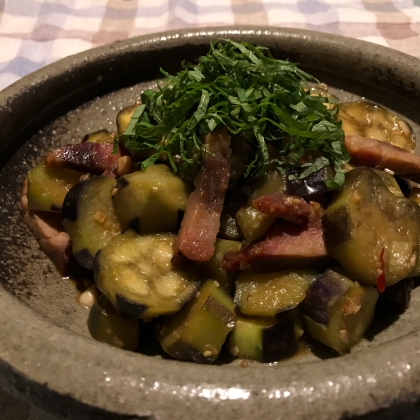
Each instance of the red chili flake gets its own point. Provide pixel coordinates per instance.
(381, 280)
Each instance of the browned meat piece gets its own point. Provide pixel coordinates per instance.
(53, 240)
(377, 154)
(288, 207)
(94, 158)
(201, 221)
(287, 246)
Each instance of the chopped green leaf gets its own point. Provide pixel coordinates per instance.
(242, 87)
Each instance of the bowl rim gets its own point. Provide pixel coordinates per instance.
(126, 383)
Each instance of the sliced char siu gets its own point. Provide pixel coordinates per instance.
(201, 221)
(288, 207)
(287, 246)
(95, 158)
(380, 155)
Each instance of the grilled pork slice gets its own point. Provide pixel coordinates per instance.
(287, 245)
(380, 155)
(53, 240)
(201, 221)
(288, 207)
(95, 158)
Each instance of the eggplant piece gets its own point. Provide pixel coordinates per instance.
(135, 273)
(151, 201)
(390, 182)
(265, 339)
(253, 224)
(398, 295)
(89, 218)
(415, 195)
(212, 269)
(288, 183)
(269, 183)
(124, 117)
(197, 332)
(100, 136)
(229, 228)
(373, 233)
(363, 118)
(47, 187)
(338, 311)
(311, 185)
(108, 326)
(268, 294)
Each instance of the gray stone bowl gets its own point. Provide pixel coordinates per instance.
(46, 354)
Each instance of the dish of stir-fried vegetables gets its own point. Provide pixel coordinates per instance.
(238, 203)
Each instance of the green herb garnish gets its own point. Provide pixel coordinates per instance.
(242, 87)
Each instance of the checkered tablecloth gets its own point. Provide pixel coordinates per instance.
(34, 33)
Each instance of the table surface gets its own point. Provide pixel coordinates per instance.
(34, 33)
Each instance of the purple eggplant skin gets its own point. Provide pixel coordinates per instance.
(85, 258)
(279, 341)
(125, 307)
(311, 185)
(70, 209)
(322, 295)
(337, 227)
(128, 309)
(398, 295)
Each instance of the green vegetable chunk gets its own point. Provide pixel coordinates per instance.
(107, 325)
(198, 331)
(265, 339)
(47, 187)
(136, 275)
(152, 200)
(338, 311)
(124, 117)
(268, 294)
(371, 231)
(89, 218)
(363, 118)
(101, 136)
(212, 269)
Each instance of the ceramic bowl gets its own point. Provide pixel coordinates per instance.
(46, 354)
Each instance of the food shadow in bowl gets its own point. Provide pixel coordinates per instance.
(99, 94)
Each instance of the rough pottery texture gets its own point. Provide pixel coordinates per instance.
(46, 356)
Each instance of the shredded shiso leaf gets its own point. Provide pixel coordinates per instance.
(264, 100)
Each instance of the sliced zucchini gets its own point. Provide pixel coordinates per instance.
(338, 311)
(47, 187)
(371, 231)
(135, 273)
(152, 200)
(213, 269)
(363, 118)
(268, 294)
(265, 339)
(89, 218)
(108, 326)
(198, 331)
